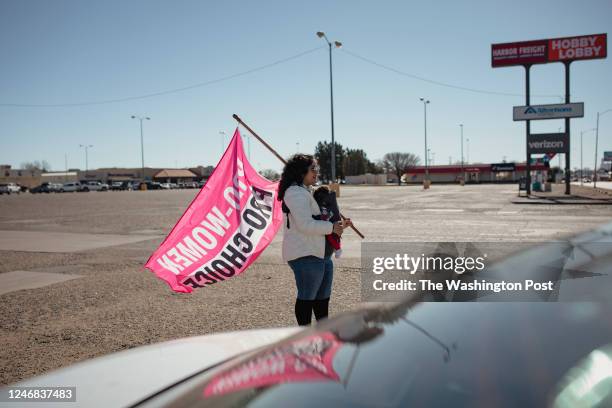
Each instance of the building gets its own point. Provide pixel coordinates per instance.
(473, 173)
(34, 177)
(109, 175)
(24, 177)
(175, 176)
(59, 177)
(368, 178)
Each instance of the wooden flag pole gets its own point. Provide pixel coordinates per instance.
(274, 152)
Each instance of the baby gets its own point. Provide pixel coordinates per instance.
(329, 212)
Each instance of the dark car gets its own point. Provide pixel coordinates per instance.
(411, 353)
(152, 185)
(46, 188)
(121, 185)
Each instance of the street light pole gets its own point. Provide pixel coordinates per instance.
(581, 166)
(337, 44)
(425, 102)
(467, 141)
(222, 133)
(141, 118)
(596, 140)
(86, 157)
(462, 171)
(248, 138)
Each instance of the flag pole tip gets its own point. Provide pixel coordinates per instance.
(236, 117)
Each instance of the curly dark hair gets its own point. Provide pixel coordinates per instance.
(294, 172)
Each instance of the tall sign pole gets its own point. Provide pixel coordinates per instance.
(564, 50)
(528, 131)
(567, 128)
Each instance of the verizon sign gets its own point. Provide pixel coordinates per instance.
(553, 111)
(582, 47)
(548, 143)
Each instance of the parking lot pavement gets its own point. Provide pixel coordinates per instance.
(116, 304)
(20, 280)
(45, 241)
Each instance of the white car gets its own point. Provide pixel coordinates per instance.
(94, 186)
(9, 188)
(166, 186)
(70, 187)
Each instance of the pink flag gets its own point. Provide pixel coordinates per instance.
(225, 228)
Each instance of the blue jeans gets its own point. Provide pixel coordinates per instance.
(313, 277)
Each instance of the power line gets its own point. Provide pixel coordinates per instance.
(431, 81)
(170, 91)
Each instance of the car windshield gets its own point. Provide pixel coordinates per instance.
(420, 355)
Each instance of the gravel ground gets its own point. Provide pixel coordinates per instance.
(118, 305)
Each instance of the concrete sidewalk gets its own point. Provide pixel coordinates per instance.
(579, 196)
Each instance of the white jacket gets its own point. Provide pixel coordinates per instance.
(305, 235)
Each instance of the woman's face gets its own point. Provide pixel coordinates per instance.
(311, 176)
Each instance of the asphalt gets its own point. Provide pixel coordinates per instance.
(104, 239)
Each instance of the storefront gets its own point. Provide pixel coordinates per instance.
(472, 173)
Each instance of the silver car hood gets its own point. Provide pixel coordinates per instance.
(125, 378)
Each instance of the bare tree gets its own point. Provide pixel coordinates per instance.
(399, 163)
(36, 165)
(270, 174)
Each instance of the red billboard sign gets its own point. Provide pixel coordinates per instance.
(521, 53)
(550, 50)
(577, 48)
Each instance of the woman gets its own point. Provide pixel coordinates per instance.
(304, 239)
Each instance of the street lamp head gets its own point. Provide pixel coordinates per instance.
(148, 118)
(338, 44)
(320, 34)
(421, 99)
(133, 117)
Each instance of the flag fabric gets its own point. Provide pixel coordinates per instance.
(225, 228)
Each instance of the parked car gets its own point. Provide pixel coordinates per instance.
(165, 186)
(412, 353)
(46, 188)
(151, 185)
(94, 186)
(9, 188)
(71, 187)
(117, 186)
(121, 185)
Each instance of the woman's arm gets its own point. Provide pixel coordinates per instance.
(299, 205)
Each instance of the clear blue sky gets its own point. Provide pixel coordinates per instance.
(65, 52)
